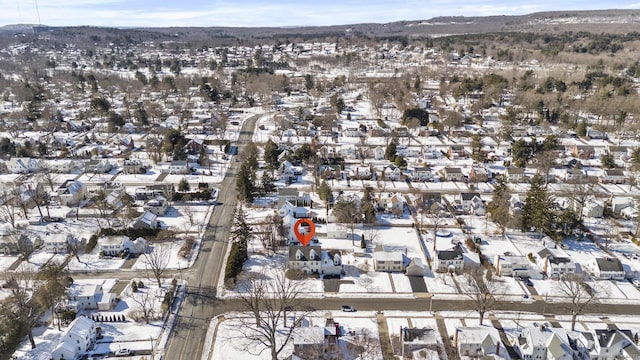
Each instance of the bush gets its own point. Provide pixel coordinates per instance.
(237, 257)
(91, 244)
(134, 286)
(186, 247)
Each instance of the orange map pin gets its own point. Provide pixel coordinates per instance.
(304, 238)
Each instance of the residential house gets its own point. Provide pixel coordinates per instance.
(360, 173)
(294, 196)
(415, 268)
(316, 342)
(450, 173)
(606, 268)
(515, 204)
(391, 172)
(583, 152)
(422, 173)
(470, 203)
(543, 343)
(133, 166)
(457, 151)
(389, 261)
(402, 131)
(148, 220)
(157, 206)
(57, 243)
(379, 153)
(111, 245)
(98, 166)
(477, 342)
(177, 167)
(77, 340)
(9, 245)
(478, 174)
(515, 174)
(289, 173)
(296, 212)
(450, 260)
(596, 134)
(619, 203)
(555, 263)
(593, 208)
(513, 265)
(71, 192)
(91, 297)
(312, 260)
(22, 165)
(607, 344)
(613, 176)
(419, 340)
(573, 175)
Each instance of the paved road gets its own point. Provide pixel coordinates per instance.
(200, 302)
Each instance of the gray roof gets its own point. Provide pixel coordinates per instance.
(609, 264)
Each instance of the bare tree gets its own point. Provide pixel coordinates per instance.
(54, 287)
(365, 346)
(20, 308)
(101, 203)
(157, 260)
(268, 300)
(480, 288)
(144, 299)
(434, 214)
(8, 210)
(579, 294)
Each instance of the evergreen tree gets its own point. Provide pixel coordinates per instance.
(241, 232)
(268, 185)
(537, 212)
(271, 153)
(476, 148)
(245, 183)
(498, 207)
(520, 153)
(368, 209)
(324, 192)
(607, 160)
(390, 153)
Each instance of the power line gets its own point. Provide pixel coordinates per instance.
(38, 12)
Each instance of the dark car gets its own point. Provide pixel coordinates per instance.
(527, 282)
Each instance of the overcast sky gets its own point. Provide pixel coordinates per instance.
(162, 13)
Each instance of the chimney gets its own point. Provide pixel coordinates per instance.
(498, 348)
(455, 338)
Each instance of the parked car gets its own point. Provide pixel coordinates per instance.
(636, 282)
(348, 308)
(443, 233)
(123, 352)
(527, 282)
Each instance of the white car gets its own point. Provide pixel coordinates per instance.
(348, 308)
(123, 352)
(443, 233)
(636, 282)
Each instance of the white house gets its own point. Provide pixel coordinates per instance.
(422, 173)
(313, 260)
(71, 192)
(606, 268)
(148, 220)
(512, 265)
(57, 243)
(111, 245)
(478, 342)
(555, 263)
(178, 167)
(157, 206)
(607, 344)
(450, 260)
(618, 203)
(22, 165)
(91, 297)
(543, 343)
(77, 340)
(388, 261)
